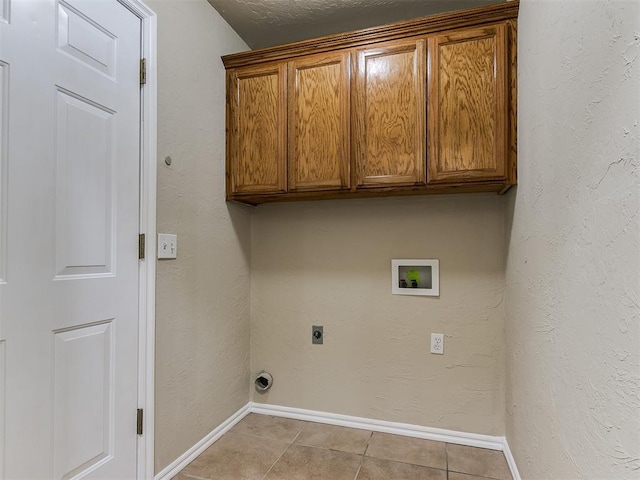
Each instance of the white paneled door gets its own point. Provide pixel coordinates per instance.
(69, 222)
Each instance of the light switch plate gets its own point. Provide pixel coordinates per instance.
(167, 245)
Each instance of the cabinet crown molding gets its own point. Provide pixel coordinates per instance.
(416, 27)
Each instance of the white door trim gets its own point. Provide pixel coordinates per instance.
(147, 267)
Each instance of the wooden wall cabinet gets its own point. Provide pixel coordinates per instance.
(420, 107)
(468, 105)
(319, 125)
(256, 135)
(389, 114)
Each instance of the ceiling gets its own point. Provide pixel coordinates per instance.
(264, 23)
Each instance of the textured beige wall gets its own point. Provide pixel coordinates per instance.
(573, 270)
(328, 263)
(202, 341)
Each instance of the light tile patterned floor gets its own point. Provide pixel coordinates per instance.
(261, 447)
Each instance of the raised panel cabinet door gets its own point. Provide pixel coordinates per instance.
(467, 107)
(257, 130)
(389, 114)
(319, 125)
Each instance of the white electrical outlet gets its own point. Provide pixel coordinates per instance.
(437, 343)
(167, 245)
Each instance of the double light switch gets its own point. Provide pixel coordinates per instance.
(167, 245)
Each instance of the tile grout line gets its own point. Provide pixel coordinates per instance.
(363, 455)
(358, 470)
(277, 460)
(482, 477)
(282, 454)
(446, 458)
(306, 424)
(368, 445)
(299, 433)
(259, 437)
(404, 462)
(359, 466)
(446, 447)
(368, 442)
(329, 449)
(192, 476)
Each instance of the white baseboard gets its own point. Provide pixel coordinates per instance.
(511, 461)
(190, 455)
(405, 429)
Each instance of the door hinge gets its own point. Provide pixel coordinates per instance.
(143, 71)
(141, 246)
(139, 421)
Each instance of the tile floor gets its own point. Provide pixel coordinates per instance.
(261, 447)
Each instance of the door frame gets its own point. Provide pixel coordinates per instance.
(147, 266)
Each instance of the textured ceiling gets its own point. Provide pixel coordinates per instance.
(264, 23)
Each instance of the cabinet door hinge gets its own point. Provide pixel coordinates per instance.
(139, 421)
(141, 246)
(143, 71)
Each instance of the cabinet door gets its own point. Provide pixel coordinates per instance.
(256, 160)
(319, 152)
(467, 108)
(389, 115)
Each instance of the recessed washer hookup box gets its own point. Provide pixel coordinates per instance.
(415, 277)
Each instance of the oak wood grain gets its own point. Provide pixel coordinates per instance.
(366, 37)
(319, 124)
(257, 129)
(512, 128)
(467, 105)
(389, 114)
(496, 188)
(286, 149)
